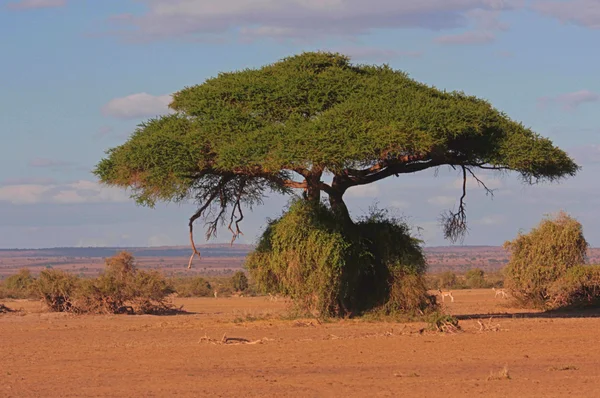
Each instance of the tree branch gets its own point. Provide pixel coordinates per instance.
(455, 223)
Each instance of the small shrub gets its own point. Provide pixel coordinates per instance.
(18, 286)
(121, 288)
(239, 281)
(541, 257)
(57, 289)
(192, 287)
(475, 279)
(448, 280)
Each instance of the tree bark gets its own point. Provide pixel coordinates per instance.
(336, 199)
(313, 187)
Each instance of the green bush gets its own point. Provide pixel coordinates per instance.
(580, 286)
(18, 286)
(448, 280)
(192, 287)
(334, 269)
(542, 257)
(475, 279)
(239, 281)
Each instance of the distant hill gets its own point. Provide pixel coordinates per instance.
(216, 250)
(223, 258)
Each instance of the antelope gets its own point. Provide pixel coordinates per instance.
(215, 293)
(447, 293)
(500, 292)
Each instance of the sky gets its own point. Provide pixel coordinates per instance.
(77, 76)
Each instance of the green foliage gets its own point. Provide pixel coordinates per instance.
(56, 289)
(307, 254)
(239, 281)
(448, 280)
(192, 287)
(18, 285)
(543, 256)
(580, 286)
(240, 134)
(475, 279)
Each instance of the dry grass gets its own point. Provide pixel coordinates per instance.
(503, 374)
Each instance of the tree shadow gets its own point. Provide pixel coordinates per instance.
(572, 312)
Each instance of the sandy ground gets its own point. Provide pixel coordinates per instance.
(55, 355)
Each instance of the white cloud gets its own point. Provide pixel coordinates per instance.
(494, 219)
(472, 37)
(35, 4)
(49, 163)
(570, 101)
(400, 204)
(76, 192)
(363, 191)
(443, 201)
(588, 154)
(300, 18)
(137, 106)
(579, 12)
(161, 240)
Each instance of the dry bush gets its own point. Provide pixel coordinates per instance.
(56, 289)
(541, 257)
(441, 322)
(503, 374)
(121, 288)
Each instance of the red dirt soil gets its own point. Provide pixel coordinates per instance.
(56, 355)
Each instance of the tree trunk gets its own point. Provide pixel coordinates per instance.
(336, 199)
(339, 207)
(313, 187)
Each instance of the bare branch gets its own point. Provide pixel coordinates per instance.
(197, 215)
(455, 223)
(481, 183)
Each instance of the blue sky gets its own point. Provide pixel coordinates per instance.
(77, 76)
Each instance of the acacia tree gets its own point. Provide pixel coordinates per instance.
(287, 125)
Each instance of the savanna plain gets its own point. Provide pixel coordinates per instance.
(252, 347)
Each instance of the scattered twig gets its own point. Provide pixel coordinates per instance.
(232, 340)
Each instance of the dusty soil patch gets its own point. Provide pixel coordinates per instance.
(56, 355)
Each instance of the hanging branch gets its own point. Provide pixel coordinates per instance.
(455, 223)
(208, 202)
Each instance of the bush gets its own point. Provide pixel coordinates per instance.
(18, 285)
(121, 288)
(56, 289)
(329, 267)
(239, 281)
(580, 286)
(475, 279)
(192, 287)
(448, 280)
(543, 256)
